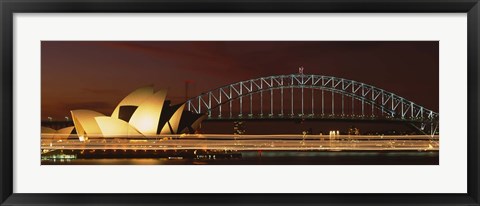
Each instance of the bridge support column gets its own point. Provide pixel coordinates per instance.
(363, 107)
(302, 100)
(292, 97)
(271, 101)
(333, 98)
(220, 106)
(261, 103)
(323, 102)
(313, 103)
(353, 99)
(241, 100)
(281, 101)
(343, 106)
(251, 107)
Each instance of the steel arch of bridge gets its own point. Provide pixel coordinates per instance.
(390, 105)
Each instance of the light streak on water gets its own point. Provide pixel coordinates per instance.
(247, 142)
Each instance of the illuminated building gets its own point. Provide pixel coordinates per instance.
(141, 113)
(239, 127)
(353, 131)
(61, 134)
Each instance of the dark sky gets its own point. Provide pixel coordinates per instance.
(98, 75)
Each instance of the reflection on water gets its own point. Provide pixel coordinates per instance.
(274, 158)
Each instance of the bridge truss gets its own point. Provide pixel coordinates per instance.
(304, 96)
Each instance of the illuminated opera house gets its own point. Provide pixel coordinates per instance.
(143, 112)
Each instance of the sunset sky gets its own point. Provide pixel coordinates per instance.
(98, 75)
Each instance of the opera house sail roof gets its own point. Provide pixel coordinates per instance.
(143, 112)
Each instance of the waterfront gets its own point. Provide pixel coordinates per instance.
(243, 150)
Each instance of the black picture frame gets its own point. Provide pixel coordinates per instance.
(10, 7)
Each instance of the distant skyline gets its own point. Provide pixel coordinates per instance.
(96, 75)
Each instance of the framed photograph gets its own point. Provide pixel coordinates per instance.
(251, 103)
(263, 118)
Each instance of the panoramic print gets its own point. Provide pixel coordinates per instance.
(240, 103)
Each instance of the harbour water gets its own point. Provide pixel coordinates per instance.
(271, 158)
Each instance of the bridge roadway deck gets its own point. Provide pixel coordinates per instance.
(288, 117)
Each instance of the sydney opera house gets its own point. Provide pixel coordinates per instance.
(143, 112)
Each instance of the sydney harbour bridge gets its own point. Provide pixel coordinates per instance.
(313, 97)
